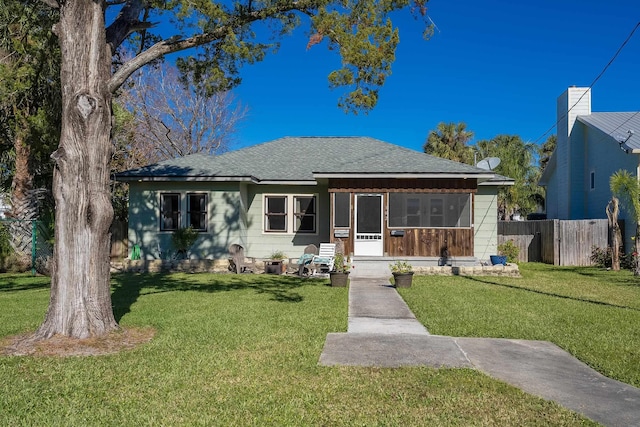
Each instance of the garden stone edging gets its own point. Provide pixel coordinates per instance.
(509, 270)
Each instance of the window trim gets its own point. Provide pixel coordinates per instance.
(206, 211)
(295, 214)
(349, 213)
(162, 212)
(266, 214)
(290, 214)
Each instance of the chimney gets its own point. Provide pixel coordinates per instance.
(576, 101)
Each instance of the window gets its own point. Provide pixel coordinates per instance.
(422, 210)
(197, 211)
(302, 220)
(341, 210)
(305, 214)
(169, 212)
(275, 213)
(592, 181)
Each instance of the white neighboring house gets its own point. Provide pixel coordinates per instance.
(590, 148)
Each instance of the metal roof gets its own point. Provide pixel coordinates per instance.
(300, 159)
(620, 126)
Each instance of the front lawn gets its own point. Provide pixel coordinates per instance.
(239, 350)
(592, 313)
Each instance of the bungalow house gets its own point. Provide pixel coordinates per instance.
(378, 198)
(590, 148)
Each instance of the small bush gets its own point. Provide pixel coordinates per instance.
(603, 258)
(278, 255)
(510, 250)
(182, 240)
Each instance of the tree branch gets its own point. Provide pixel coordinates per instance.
(176, 43)
(126, 23)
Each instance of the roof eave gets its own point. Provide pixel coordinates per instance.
(498, 183)
(287, 182)
(479, 176)
(147, 178)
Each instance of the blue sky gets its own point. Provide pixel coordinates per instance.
(497, 65)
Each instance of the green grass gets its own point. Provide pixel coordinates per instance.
(592, 313)
(238, 350)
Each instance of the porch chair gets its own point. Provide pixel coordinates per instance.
(323, 262)
(301, 264)
(238, 262)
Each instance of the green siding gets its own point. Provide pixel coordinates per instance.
(223, 214)
(262, 244)
(485, 222)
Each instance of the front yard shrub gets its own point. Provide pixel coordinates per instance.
(603, 258)
(510, 250)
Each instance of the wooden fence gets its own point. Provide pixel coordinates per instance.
(119, 240)
(557, 242)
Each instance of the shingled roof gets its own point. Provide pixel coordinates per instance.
(306, 159)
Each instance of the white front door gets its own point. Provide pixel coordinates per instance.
(368, 239)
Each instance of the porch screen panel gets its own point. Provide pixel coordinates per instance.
(369, 214)
(341, 210)
(276, 213)
(420, 210)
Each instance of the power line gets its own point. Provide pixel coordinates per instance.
(592, 83)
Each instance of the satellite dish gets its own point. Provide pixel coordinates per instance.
(490, 163)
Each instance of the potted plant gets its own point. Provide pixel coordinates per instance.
(508, 252)
(339, 276)
(276, 264)
(402, 274)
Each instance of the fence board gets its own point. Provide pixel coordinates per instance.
(119, 240)
(557, 242)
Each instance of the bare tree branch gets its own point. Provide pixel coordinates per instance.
(171, 120)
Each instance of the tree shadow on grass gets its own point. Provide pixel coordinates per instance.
(128, 287)
(21, 282)
(612, 277)
(550, 294)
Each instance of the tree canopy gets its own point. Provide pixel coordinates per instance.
(626, 187)
(450, 141)
(216, 38)
(517, 161)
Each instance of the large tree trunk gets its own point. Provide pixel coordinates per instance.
(612, 211)
(80, 304)
(22, 182)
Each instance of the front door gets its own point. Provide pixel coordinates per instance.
(368, 239)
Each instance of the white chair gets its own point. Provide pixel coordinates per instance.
(323, 262)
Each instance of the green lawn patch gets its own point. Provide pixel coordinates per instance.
(237, 350)
(592, 313)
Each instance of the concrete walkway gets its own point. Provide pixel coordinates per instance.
(383, 332)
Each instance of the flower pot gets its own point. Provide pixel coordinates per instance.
(403, 280)
(498, 259)
(339, 279)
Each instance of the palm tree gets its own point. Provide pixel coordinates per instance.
(546, 150)
(449, 141)
(517, 162)
(626, 187)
